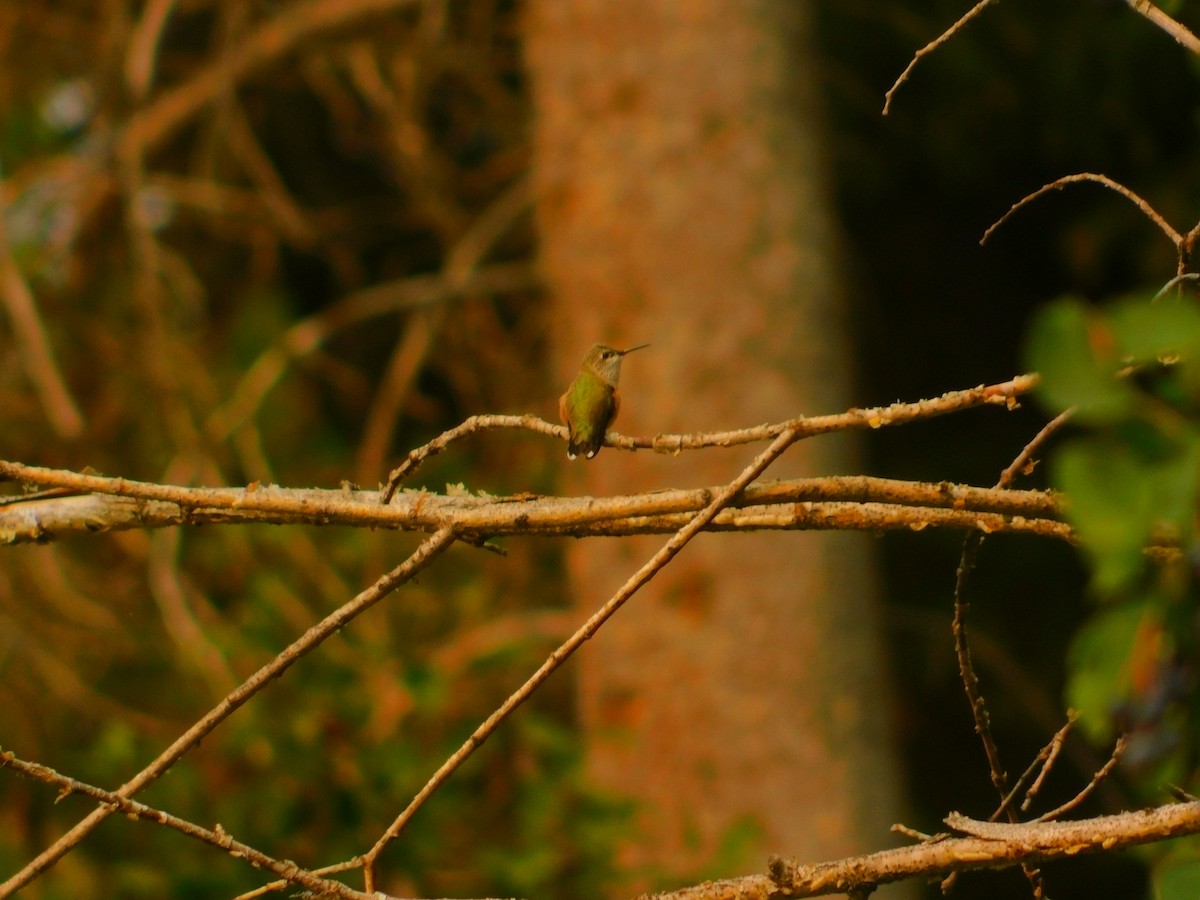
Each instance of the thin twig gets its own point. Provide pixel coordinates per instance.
(142, 56)
(1176, 30)
(1025, 457)
(930, 47)
(1003, 393)
(33, 344)
(1039, 763)
(429, 550)
(1054, 748)
(966, 667)
(914, 834)
(274, 887)
(556, 659)
(288, 871)
(1100, 776)
(1059, 183)
(1177, 281)
(961, 645)
(989, 845)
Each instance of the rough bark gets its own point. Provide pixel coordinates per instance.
(683, 201)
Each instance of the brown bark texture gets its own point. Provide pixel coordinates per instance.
(682, 200)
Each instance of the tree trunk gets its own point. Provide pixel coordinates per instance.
(683, 202)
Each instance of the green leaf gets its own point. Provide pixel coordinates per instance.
(1121, 495)
(1147, 330)
(1098, 665)
(1108, 505)
(1076, 353)
(1176, 879)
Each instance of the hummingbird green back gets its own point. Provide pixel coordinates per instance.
(592, 401)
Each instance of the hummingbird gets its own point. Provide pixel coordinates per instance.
(592, 401)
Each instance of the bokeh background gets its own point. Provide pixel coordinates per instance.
(302, 264)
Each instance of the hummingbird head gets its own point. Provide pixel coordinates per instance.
(605, 361)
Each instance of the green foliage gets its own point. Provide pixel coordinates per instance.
(1177, 877)
(1130, 476)
(1103, 659)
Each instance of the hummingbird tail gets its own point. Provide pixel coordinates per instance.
(576, 447)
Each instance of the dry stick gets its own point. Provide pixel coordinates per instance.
(989, 845)
(81, 503)
(1026, 455)
(426, 511)
(287, 870)
(33, 346)
(898, 413)
(575, 641)
(930, 47)
(1039, 762)
(274, 887)
(1055, 748)
(1177, 281)
(1103, 773)
(429, 550)
(1175, 29)
(966, 668)
(962, 647)
(142, 58)
(784, 506)
(1059, 183)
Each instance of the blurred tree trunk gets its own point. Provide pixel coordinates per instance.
(684, 202)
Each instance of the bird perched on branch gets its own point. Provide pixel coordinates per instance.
(592, 401)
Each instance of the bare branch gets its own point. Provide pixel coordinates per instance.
(429, 550)
(989, 845)
(1059, 183)
(1049, 757)
(1040, 765)
(36, 355)
(962, 647)
(855, 502)
(1176, 30)
(1024, 461)
(1100, 776)
(288, 871)
(142, 56)
(930, 47)
(556, 659)
(1004, 393)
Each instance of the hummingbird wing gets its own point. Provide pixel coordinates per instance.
(594, 440)
(565, 418)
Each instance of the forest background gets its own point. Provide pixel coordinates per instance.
(395, 149)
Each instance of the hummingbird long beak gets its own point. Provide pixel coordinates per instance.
(631, 349)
